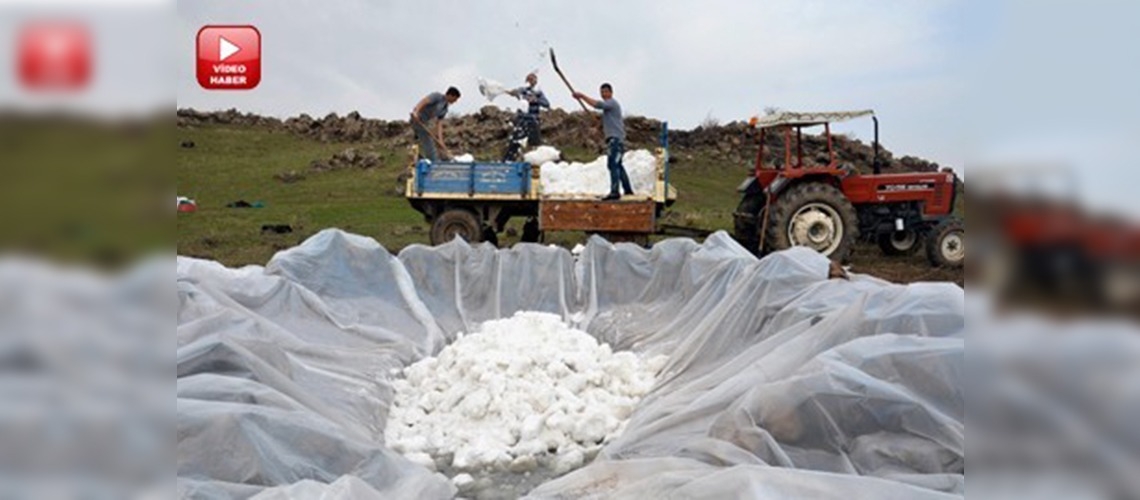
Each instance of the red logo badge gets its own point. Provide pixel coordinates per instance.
(229, 57)
(54, 56)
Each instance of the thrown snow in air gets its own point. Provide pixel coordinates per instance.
(491, 89)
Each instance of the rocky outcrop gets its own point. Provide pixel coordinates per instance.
(733, 143)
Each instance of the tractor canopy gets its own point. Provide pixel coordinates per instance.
(794, 119)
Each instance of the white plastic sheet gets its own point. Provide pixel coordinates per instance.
(781, 383)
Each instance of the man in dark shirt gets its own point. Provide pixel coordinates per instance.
(614, 130)
(432, 107)
(536, 100)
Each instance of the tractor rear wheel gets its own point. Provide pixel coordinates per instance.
(814, 215)
(745, 222)
(899, 242)
(946, 244)
(455, 222)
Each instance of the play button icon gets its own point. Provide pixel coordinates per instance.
(226, 48)
(229, 57)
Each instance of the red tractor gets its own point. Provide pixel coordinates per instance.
(1040, 247)
(827, 207)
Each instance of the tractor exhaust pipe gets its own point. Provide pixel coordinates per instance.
(876, 162)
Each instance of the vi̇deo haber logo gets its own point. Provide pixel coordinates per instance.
(229, 57)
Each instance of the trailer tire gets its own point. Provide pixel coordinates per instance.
(946, 244)
(456, 222)
(816, 215)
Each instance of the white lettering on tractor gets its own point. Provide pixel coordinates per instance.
(905, 187)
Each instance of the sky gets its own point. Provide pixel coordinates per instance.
(972, 84)
(679, 61)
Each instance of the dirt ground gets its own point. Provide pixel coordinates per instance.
(867, 259)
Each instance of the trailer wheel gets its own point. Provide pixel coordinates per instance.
(456, 222)
(814, 215)
(899, 242)
(946, 244)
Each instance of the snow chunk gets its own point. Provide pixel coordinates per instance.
(593, 179)
(515, 395)
(542, 155)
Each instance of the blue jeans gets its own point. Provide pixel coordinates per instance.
(617, 170)
(427, 145)
(533, 136)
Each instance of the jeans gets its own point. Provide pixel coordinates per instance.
(617, 170)
(534, 137)
(427, 145)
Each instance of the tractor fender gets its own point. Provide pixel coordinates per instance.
(782, 184)
(749, 186)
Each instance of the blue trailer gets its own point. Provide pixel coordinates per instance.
(452, 179)
(476, 200)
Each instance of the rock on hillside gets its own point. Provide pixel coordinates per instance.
(733, 143)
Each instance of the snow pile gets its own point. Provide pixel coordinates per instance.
(518, 394)
(542, 155)
(491, 89)
(593, 179)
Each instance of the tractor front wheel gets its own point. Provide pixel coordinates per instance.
(814, 215)
(899, 242)
(946, 244)
(456, 222)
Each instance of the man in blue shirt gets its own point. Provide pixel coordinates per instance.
(432, 107)
(614, 131)
(536, 100)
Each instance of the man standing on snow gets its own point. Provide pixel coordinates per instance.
(536, 100)
(432, 107)
(614, 131)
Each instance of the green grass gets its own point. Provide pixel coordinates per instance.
(84, 191)
(230, 164)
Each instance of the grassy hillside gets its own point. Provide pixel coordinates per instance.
(231, 163)
(84, 190)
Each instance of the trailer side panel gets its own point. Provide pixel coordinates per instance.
(634, 216)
